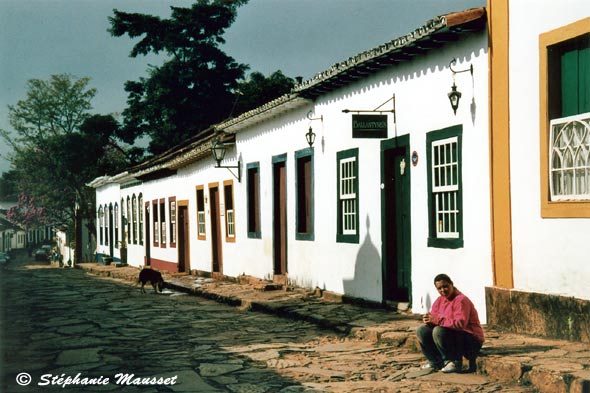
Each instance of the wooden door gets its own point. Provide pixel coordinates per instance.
(280, 217)
(148, 237)
(216, 255)
(396, 228)
(184, 262)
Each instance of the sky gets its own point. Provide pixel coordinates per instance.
(40, 38)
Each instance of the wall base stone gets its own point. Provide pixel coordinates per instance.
(538, 314)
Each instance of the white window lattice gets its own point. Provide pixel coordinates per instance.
(172, 222)
(231, 229)
(569, 158)
(201, 222)
(348, 195)
(445, 186)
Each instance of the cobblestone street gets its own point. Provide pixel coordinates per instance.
(108, 336)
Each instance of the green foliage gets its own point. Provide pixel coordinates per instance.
(8, 186)
(259, 90)
(194, 88)
(53, 107)
(58, 147)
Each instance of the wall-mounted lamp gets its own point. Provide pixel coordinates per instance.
(218, 149)
(454, 94)
(310, 135)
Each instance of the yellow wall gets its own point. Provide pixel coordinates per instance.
(498, 16)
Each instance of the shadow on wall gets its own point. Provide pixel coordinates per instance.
(366, 282)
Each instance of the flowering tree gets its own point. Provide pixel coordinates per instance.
(26, 213)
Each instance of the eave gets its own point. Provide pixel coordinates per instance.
(269, 110)
(434, 34)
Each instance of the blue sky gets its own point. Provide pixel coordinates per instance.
(40, 38)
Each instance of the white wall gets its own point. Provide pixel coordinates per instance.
(105, 195)
(135, 251)
(421, 88)
(549, 255)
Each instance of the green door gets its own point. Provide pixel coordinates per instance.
(395, 219)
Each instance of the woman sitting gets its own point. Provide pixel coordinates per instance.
(451, 330)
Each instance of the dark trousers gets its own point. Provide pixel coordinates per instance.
(441, 345)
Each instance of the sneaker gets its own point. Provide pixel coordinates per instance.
(429, 367)
(451, 367)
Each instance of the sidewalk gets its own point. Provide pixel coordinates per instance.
(551, 366)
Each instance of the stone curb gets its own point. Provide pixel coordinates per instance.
(545, 376)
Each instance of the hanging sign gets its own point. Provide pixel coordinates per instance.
(369, 126)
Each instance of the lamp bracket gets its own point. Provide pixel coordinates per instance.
(454, 61)
(230, 167)
(315, 118)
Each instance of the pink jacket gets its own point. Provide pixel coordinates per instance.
(458, 314)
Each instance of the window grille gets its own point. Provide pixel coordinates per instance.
(445, 187)
(569, 158)
(348, 195)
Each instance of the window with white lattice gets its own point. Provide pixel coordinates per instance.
(348, 198)
(569, 158)
(230, 220)
(140, 213)
(200, 213)
(564, 69)
(172, 209)
(444, 185)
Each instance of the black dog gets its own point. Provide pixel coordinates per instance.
(154, 277)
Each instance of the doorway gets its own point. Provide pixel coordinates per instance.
(216, 255)
(279, 171)
(111, 232)
(184, 262)
(148, 237)
(395, 219)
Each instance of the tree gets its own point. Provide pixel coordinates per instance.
(59, 147)
(259, 90)
(195, 87)
(8, 186)
(53, 107)
(27, 213)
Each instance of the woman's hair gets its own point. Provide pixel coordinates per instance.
(443, 277)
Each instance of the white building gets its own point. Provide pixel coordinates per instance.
(394, 190)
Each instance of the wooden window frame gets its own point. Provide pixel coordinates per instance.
(129, 217)
(156, 222)
(116, 224)
(140, 214)
(172, 224)
(162, 221)
(253, 200)
(101, 225)
(341, 237)
(555, 209)
(201, 235)
(134, 217)
(229, 237)
(301, 186)
(433, 223)
(107, 226)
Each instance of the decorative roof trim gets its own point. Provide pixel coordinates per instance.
(287, 101)
(396, 45)
(199, 146)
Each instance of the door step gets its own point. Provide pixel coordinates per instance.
(399, 306)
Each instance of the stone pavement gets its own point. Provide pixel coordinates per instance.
(549, 366)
